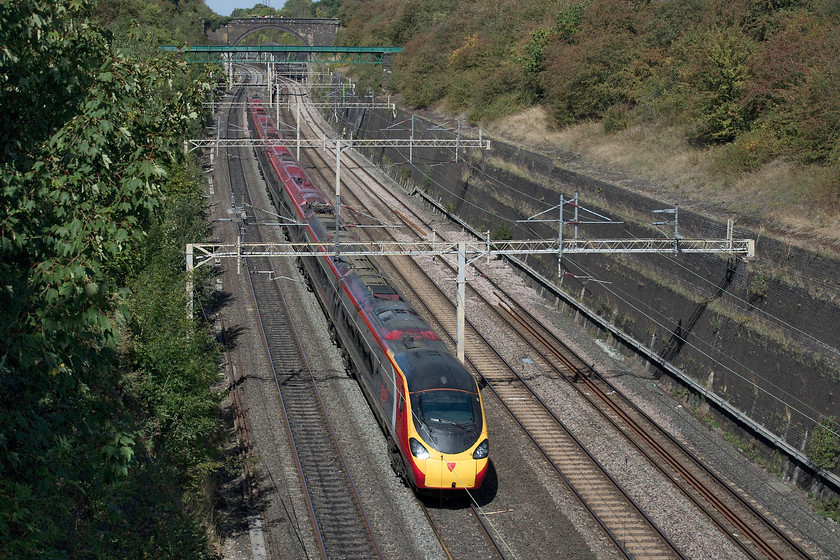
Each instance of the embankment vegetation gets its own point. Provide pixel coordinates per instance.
(109, 430)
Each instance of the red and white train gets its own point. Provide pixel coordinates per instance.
(429, 406)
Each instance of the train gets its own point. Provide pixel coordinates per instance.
(426, 402)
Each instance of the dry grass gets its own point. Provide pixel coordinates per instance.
(798, 203)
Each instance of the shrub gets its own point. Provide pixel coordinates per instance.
(824, 445)
(794, 86)
(616, 118)
(502, 233)
(568, 21)
(721, 74)
(583, 81)
(751, 150)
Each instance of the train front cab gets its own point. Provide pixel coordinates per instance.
(442, 471)
(444, 425)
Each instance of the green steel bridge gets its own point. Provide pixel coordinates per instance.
(284, 53)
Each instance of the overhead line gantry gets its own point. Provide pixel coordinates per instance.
(213, 252)
(205, 253)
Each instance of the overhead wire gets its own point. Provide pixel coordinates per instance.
(664, 319)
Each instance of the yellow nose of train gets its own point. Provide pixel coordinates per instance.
(453, 471)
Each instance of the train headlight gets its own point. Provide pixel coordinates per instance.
(482, 451)
(417, 449)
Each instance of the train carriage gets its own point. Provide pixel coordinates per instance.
(428, 405)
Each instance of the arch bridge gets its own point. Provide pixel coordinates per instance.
(312, 32)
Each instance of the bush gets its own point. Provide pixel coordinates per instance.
(751, 150)
(721, 73)
(568, 22)
(502, 233)
(585, 80)
(824, 444)
(616, 118)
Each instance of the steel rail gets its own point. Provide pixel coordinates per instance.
(587, 376)
(659, 451)
(337, 544)
(648, 547)
(482, 519)
(309, 505)
(239, 419)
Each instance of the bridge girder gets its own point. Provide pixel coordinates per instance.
(284, 53)
(311, 31)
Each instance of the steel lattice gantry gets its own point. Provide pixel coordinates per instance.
(221, 143)
(205, 253)
(283, 53)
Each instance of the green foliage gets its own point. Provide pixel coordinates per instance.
(757, 287)
(172, 360)
(144, 25)
(533, 58)
(257, 10)
(292, 9)
(828, 508)
(298, 8)
(585, 81)
(502, 233)
(92, 136)
(616, 117)
(721, 79)
(415, 18)
(760, 77)
(824, 444)
(326, 8)
(416, 89)
(568, 21)
(794, 78)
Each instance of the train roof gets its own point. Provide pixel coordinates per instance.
(428, 369)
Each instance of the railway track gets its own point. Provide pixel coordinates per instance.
(452, 539)
(756, 535)
(619, 516)
(340, 524)
(753, 532)
(632, 531)
(750, 530)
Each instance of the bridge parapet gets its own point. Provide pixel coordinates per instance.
(311, 31)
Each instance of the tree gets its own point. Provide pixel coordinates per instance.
(88, 135)
(298, 8)
(257, 10)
